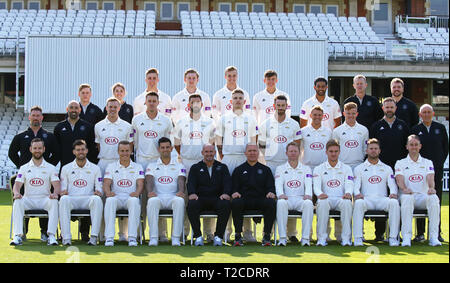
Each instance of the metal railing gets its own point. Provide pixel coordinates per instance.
(428, 22)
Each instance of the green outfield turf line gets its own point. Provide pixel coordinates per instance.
(33, 250)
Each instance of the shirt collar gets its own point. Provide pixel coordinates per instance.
(43, 164)
(115, 123)
(172, 162)
(299, 165)
(316, 100)
(131, 166)
(338, 165)
(75, 165)
(419, 160)
(148, 118)
(367, 163)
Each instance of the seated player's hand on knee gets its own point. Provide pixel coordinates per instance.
(53, 196)
(322, 196)
(97, 193)
(17, 196)
(180, 194)
(394, 196)
(236, 195)
(134, 194)
(347, 196)
(224, 197)
(359, 196)
(270, 195)
(193, 197)
(431, 191)
(151, 195)
(64, 193)
(306, 197)
(110, 194)
(283, 196)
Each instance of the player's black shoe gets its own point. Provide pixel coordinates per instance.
(238, 242)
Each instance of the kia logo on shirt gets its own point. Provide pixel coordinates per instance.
(239, 133)
(374, 179)
(270, 110)
(111, 140)
(36, 182)
(165, 180)
(316, 146)
(333, 183)
(326, 116)
(229, 106)
(80, 183)
(187, 109)
(351, 144)
(151, 134)
(124, 183)
(280, 139)
(416, 178)
(195, 135)
(294, 184)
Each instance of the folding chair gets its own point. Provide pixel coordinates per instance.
(256, 214)
(121, 213)
(291, 214)
(79, 213)
(208, 214)
(421, 213)
(370, 214)
(168, 213)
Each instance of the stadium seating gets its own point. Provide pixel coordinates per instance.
(432, 43)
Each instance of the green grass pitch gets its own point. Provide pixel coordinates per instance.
(33, 250)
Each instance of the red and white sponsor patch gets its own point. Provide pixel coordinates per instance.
(195, 135)
(165, 180)
(36, 182)
(111, 140)
(416, 178)
(374, 179)
(294, 184)
(151, 134)
(351, 144)
(238, 133)
(316, 146)
(124, 183)
(187, 109)
(270, 110)
(280, 139)
(229, 106)
(333, 183)
(326, 116)
(80, 183)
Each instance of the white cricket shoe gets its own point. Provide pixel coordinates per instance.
(92, 241)
(358, 242)
(217, 241)
(132, 242)
(153, 242)
(109, 243)
(52, 241)
(17, 241)
(176, 242)
(393, 242)
(199, 241)
(322, 243)
(346, 243)
(282, 242)
(67, 242)
(434, 243)
(406, 242)
(305, 242)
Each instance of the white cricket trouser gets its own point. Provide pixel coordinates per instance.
(232, 161)
(323, 212)
(376, 203)
(132, 204)
(67, 203)
(420, 201)
(299, 204)
(155, 204)
(31, 203)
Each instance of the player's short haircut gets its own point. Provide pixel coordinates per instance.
(35, 140)
(250, 144)
(195, 95)
(151, 93)
(357, 77)
(397, 80)
(191, 71)
(78, 143)
(83, 86)
(164, 140)
(112, 99)
(373, 141)
(124, 142)
(332, 142)
(36, 108)
(152, 71)
(350, 105)
(317, 107)
(230, 69)
(413, 137)
(425, 106)
(280, 97)
(237, 90)
(293, 144)
(117, 85)
(320, 79)
(389, 99)
(270, 73)
(208, 144)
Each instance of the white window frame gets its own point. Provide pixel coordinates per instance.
(178, 8)
(91, 2)
(299, 5)
(337, 9)
(13, 2)
(161, 11)
(30, 2)
(6, 4)
(243, 4)
(259, 4)
(109, 2)
(224, 4)
(315, 5)
(151, 2)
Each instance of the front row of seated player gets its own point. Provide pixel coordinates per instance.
(210, 187)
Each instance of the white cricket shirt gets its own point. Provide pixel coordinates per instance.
(372, 180)
(81, 181)
(415, 173)
(109, 134)
(166, 176)
(124, 179)
(148, 131)
(331, 110)
(333, 181)
(192, 135)
(277, 136)
(180, 103)
(164, 106)
(263, 103)
(293, 182)
(353, 143)
(37, 179)
(237, 131)
(313, 145)
(221, 104)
